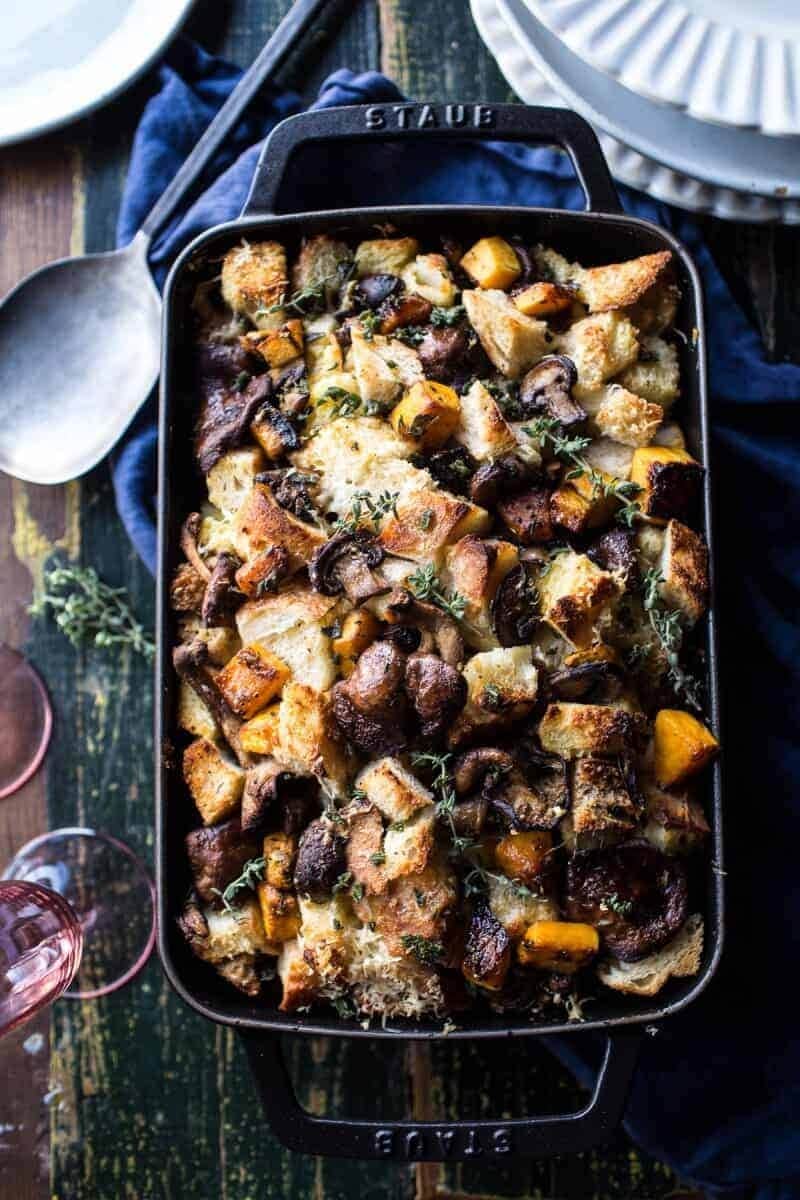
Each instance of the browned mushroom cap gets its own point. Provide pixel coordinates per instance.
(472, 769)
(585, 680)
(442, 351)
(217, 854)
(221, 596)
(191, 664)
(547, 390)
(437, 691)
(528, 516)
(436, 627)
(372, 290)
(515, 607)
(298, 804)
(371, 707)
(503, 477)
(190, 531)
(535, 794)
(291, 489)
(636, 896)
(469, 816)
(615, 551)
(225, 423)
(487, 949)
(344, 564)
(320, 858)
(266, 786)
(452, 468)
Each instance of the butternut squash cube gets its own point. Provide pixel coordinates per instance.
(280, 913)
(250, 680)
(277, 346)
(359, 630)
(543, 299)
(279, 855)
(260, 734)
(682, 746)
(524, 856)
(428, 414)
(562, 946)
(579, 504)
(669, 480)
(492, 263)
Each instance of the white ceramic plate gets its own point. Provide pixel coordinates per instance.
(61, 58)
(625, 164)
(739, 159)
(736, 62)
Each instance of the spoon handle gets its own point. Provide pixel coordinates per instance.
(283, 40)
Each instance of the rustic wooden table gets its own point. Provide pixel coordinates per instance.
(134, 1095)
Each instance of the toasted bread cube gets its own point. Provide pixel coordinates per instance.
(600, 346)
(669, 480)
(336, 387)
(682, 746)
(425, 521)
(254, 279)
(309, 736)
(358, 630)
(349, 455)
(322, 264)
(220, 641)
(680, 958)
(262, 573)
(516, 911)
(395, 792)
(408, 845)
(193, 715)
(261, 524)
(543, 299)
(277, 346)
(325, 933)
(427, 415)
(482, 429)
(670, 434)
(231, 480)
(187, 589)
(259, 735)
(577, 598)
(627, 418)
(512, 341)
(280, 850)
(279, 912)
(383, 367)
(610, 458)
(576, 730)
(429, 276)
(600, 799)
(299, 980)
(684, 569)
(676, 823)
(502, 686)
(617, 285)
(215, 781)
(656, 374)
(231, 934)
(525, 856)
(563, 946)
(385, 256)
(475, 567)
(251, 679)
(578, 505)
(492, 263)
(292, 623)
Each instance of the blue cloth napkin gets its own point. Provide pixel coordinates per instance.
(717, 1094)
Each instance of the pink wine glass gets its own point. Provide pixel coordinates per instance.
(26, 720)
(40, 948)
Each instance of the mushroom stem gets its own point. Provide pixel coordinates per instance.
(190, 531)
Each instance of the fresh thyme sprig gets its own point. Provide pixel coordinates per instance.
(668, 628)
(252, 873)
(441, 318)
(439, 765)
(85, 608)
(426, 951)
(425, 585)
(547, 431)
(301, 303)
(364, 503)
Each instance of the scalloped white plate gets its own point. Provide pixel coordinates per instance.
(735, 62)
(59, 59)
(626, 165)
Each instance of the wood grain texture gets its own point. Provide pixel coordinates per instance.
(145, 1099)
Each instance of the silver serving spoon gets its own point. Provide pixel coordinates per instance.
(80, 338)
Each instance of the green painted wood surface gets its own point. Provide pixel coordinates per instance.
(148, 1100)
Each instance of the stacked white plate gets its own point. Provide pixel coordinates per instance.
(696, 102)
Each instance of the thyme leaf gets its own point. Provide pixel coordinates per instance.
(252, 873)
(87, 609)
(427, 951)
(425, 584)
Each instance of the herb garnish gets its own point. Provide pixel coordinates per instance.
(442, 786)
(362, 504)
(668, 628)
(549, 431)
(370, 324)
(441, 318)
(425, 584)
(302, 302)
(252, 873)
(425, 950)
(86, 608)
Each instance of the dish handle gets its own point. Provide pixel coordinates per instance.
(407, 122)
(443, 1141)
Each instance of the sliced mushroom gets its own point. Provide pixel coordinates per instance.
(435, 626)
(290, 489)
(437, 691)
(344, 564)
(515, 607)
(191, 664)
(221, 595)
(599, 680)
(372, 290)
(527, 515)
(615, 551)
(290, 386)
(637, 897)
(442, 352)
(190, 532)
(484, 764)
(405, 637)
(371, 707)
(547, 390)
(469, 817)
(299, 804)
(320, 858)
(487, 949)
(504, 477)
(452, 468)
(274, 431)
(266, 785)
(217, 854)
(223, 427)
(535, 794)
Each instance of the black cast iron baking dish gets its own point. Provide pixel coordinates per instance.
(598, 235)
